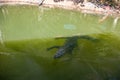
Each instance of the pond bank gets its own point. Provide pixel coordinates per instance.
(88, 7)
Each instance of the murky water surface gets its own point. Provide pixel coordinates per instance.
(26, 32)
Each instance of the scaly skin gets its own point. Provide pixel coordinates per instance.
(69, 45)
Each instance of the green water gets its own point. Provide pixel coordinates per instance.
(27, 31)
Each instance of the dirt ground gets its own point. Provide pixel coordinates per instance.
(88, 8)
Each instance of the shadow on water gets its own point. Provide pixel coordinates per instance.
(29, 60)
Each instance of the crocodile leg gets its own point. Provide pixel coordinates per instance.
(88, 38)
(53, 47)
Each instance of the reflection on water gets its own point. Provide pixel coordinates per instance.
(69, 26)
(115, 22)
(34, 22)
(1, 38)
(26, 38)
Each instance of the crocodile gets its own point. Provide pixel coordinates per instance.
(69, 45)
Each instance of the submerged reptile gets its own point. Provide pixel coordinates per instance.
(69, 45)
